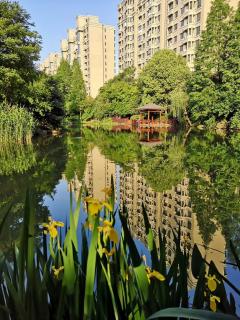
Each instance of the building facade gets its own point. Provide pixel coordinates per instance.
(51, 64)
(93, 45)
(145, 26)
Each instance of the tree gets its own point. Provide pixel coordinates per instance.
(231, 76)
(19, 49)
(206, 104)
(46, 101)
(118, 97)
(77, 90)
(163, 80)
(63, 77)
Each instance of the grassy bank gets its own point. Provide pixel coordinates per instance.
(91, 271)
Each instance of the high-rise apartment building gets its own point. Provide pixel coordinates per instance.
(146, 26)
(141, 31)
(51, 63)
(185, 22)
(93, 45)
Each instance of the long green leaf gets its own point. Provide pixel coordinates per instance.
(191, 314)
(90, 276)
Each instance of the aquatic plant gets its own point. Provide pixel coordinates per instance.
(16, 124)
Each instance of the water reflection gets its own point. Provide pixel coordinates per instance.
(188, 180)
(39, 169)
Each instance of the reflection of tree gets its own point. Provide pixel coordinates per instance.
(41, 179)
(214, 170)
(77, 157)
(122, 147)
(16, 158)
(162, 166)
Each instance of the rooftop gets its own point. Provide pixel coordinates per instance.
(151, 107)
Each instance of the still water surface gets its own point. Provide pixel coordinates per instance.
(191, 179)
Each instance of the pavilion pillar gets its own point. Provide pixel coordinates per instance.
(148, 117)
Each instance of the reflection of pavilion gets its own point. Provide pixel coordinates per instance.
(166, 210)
(152, 136)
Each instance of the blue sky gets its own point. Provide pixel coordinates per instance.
(52, 18)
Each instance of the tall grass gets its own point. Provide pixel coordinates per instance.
(101, 275)
(16, 124)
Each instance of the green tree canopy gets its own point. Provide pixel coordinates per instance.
(231, 71)
(163, 81)
(209, 100)
(63, 77)
(77, 90)
(72, 86)
(19, 49)
(46, 101)
(118, 97)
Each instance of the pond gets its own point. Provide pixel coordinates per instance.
(186, 178)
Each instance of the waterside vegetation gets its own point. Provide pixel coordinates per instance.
(208, 96)
(16, 124)
(91, 271)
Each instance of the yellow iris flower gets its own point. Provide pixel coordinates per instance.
(212, 282)
(57, 271)
(108, 231)
(94, 206)
(154, 274)
(51, 227)
(213, 304)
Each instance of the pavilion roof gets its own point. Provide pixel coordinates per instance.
(151, 107)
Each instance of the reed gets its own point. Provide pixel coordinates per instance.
(16, 124)
(91, 271)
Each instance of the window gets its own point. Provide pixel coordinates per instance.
(198, 31)
(198, 17)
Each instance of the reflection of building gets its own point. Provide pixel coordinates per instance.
(145, 26)
(92, 44)
(167, 210)
(98, 173)
(74, 185)
(134, 193)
